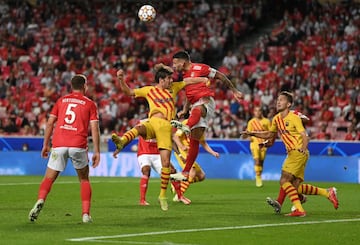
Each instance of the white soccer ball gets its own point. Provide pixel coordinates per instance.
(147, 13)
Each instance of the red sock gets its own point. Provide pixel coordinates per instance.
(85, 196)
(192, 154)
(45, 188)
(281, 196)
(194, 117)
(176, 185)
(143, 187)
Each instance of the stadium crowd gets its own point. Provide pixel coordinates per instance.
(313, 51)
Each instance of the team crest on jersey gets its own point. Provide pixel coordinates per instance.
(286, 124)
(54, 155)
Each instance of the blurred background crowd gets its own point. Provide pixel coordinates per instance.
(308, 47)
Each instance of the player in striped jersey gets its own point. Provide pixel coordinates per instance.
(161, 99)
(295, 139)
(258, 145)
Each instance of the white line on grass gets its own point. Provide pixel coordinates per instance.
(146, 243)
(67, 182)
(99, 238)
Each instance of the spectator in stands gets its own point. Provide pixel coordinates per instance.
(267, 98)
(355, 70)
(350, 29)
(326, 114)
(342, 98)
(323, 134)
(242, 56)
(242, 87)
(334, 108)
(9, 125)
(3, 88)
(352, 133)
(352, 114)
(230, 61)
(12, 79)
(263, 54)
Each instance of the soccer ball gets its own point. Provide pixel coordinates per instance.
(147, 13)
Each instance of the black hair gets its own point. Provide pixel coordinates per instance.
(182, 55)
(162, 73)
(78, 81)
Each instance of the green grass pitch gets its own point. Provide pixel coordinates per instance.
(222, 212)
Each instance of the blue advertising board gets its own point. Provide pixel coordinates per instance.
(228, 166)
(338, 148)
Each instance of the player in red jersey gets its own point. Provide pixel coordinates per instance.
(149, 157)
(201, 97)
(69, 122)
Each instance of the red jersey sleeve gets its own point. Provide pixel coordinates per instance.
(196, 91)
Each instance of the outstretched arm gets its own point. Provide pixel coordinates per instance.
(124, 87)
(237, 94)
(209, 149)
(193, 80)
(260, 134)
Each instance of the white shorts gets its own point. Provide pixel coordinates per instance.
(59, 157)
(152, 160)
(209, 104)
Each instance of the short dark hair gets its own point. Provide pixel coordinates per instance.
(288, 95)
(78, 81)
(182, 55)
(162, 71)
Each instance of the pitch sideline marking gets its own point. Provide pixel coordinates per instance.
(65, 182)
(96, 238)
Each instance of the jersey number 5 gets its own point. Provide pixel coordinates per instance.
(70, 114)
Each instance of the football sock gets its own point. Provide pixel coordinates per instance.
(143, 187)
(129, 136)
(85, 190)
(312, 190)
(184, 186)
(165, 176)
(258, 170)
(293, 195)
(177, 188)
(45, 188)
(194, 117)
(192, 154)
(281, 196)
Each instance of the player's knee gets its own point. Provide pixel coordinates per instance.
(201, 176)
(145, 170)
